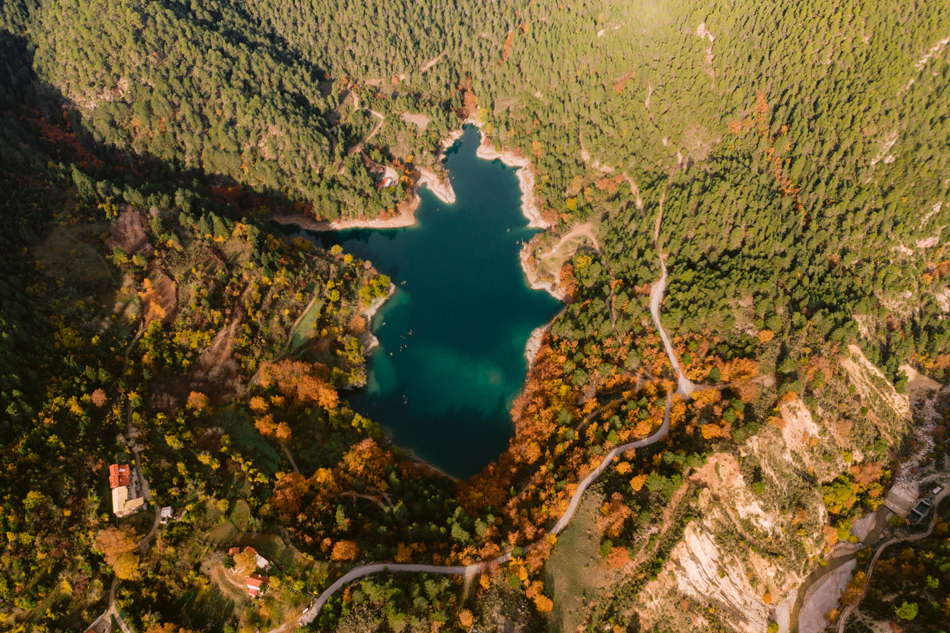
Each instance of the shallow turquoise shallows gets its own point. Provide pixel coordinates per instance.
(452, 338)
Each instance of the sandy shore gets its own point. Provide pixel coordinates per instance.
(529, 207)
(442, 189)
(449, 140)
(533, 346)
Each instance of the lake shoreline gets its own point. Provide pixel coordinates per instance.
(368, 338)
(442, 189)
(437, 180)
(531, 275)
(308, 224)
(526, 181)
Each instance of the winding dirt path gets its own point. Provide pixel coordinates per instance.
(585, 230)
(685, 386)
(477, 568)
(111, 611)
(359, 146)
(432, 62)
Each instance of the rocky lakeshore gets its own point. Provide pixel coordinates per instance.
(441, 188)
(526, 181)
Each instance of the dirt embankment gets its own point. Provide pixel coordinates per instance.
(823, 597)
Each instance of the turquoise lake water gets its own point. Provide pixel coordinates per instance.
(452, 338)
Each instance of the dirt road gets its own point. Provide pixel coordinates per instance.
(585, 230)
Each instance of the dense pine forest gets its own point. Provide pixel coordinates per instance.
(787, 165)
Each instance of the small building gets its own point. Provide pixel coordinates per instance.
(256, 585)
(262, 563)
(126, 498)
(123, 504)
(234, 550)
(119, 475)
(901, 499)
(167, 514)
(920, 511)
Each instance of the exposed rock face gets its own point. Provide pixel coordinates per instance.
(738, 584)
(697, 563)
(872, 384)
(760, 525)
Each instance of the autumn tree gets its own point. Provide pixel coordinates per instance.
(345, 551)
(266, 426)
(99, 398)
(541, 602)
(259, 405)
(618, 557)
(282, 433)
(167, 628)
(245, 563)
(289, 493)
(199, 402)
(306, 383)
(613, 515)
(117, 546)
(151, 302)
(367, 461)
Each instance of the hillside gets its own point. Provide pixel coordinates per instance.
(781, 168)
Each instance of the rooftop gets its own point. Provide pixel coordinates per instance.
(900, 499)
(119, 475)
(255, 584)
(123, 504)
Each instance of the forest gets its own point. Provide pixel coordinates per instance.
(787, 164)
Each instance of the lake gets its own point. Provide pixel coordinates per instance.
(452, 338)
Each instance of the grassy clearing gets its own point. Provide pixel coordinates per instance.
(222, 534)
(240, 515)
(576, 568)
(274, 549)
(304, 330)
(242, 432)
(552, 252)
(67, 252)
(232, 587)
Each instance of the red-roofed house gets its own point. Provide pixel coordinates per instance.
(119, 475)
(126, 497)
(234, 550)
(256, 584)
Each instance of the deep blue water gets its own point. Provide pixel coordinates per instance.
(451, 356)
